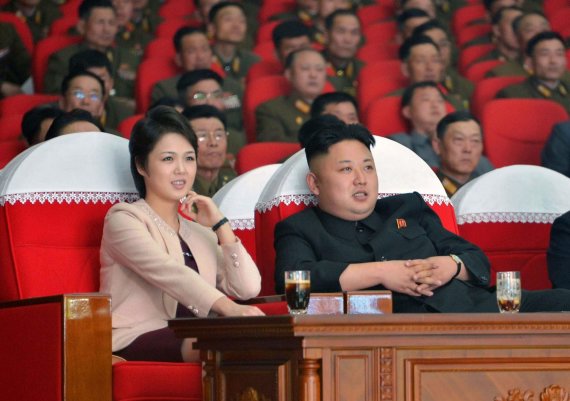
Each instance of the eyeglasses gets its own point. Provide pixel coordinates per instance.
(217, 94)
(218, 135)
(80, 95)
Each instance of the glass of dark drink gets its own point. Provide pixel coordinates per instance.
(509, 291)
(298, 291)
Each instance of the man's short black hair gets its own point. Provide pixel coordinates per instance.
(293, 55)
(204, 111)
(452, 118)
(409, 14)
(182, 32)
(191, 78)
(320, 141)
(216, 8)
(32, 121)
(329, 20)
(498, 16)
(414, 40)
(80, 73)
(289, 29)
(90, 58)
(428, 26)
(409, 92)
(518, 20)
(58, 125)
(87, 6)
(315, 124)
(541, 37)
(322, 101)
(488, 4)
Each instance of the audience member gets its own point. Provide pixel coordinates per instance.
(421, 61)
(343, 37)
(37, 14)
(205, 87)
(339, 104)
(83, 90)
(98, 26)
(289, 36)
(305, 11)
(36, 123)
(408, 21)
(279, 119)
(423, 105)
(116, 108)
(227, 26)
(157, 265)
(556, 152)
(72, 122)
(15, 61)
(326, 8)
(459, 145)
(452, 81)
(209, 125)
(145, 15)
(546, 53)
(558, 253)
(130, 35)
(426, 5)
(173, 102)
(353, 241)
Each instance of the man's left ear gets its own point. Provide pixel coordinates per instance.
(436, 145)
(528, 64)
(313, 183)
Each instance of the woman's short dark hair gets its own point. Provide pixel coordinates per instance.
(320, 142)
(76, 115)
(147, 132)
(32, 121)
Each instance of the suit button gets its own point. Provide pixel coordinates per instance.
(193, 309)
(234, 255)
(236, 264)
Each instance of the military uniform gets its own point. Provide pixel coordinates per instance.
(239, 65)
(203, 187)
(279, 119)
(449, 184)
(494, 54)
(124, 62)
(479, 40)
(40, 21)
(233, 112)
(516, 68)
(133, 37)
(532, 88)
(345, 79)
(15, 61)
(116, 110)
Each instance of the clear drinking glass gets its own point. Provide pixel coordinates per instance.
(298, 291)
(509, 291)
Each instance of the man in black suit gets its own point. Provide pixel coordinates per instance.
(353, 241)
(558, 254)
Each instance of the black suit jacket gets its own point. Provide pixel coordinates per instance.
(316, 241)
(558, 254)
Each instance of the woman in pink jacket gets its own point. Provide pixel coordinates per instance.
(156, 264)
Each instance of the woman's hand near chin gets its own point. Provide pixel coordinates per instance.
(201, 209)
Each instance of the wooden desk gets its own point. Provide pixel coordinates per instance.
(439, 357)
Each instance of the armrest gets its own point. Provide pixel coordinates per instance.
(368, 302)
(56, 348)
(319, 304)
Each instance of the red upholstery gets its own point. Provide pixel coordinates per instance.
(380, 32)
(399, 170)
(273, 7)
(472, 32)
(20, 104)
(10, 149)
(374, 13)
(151, 71)
(476, 72)
(61, 26)
(176, 9)
(265, 50)
(237, 200)
(21, 28)
(378, 51)
(472, 53)
(487, 89)
(259, 154)
(517, 129)
(383, 116)
(44, 49)
(126, 126)
(552, 6)
(265, 31)
(70, 7)
(508, 213)
(10, 127)
(376, 84)
(152, 381)
(464, 15)
(264, 68)
(559, 19)
(167, 28)
(160, 47)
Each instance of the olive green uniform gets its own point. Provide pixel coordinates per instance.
(279, 119)
(233, 112)
(116, 110)
(345, 79)
(532, 88)
(458, 86)
(239, 65)
(450, 185)
(40, 21)
(15, 61)
(203, 187)
(133, 37)
(124, 62)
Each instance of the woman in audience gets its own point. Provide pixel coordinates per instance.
(157, 265)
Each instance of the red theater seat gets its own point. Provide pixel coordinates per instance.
(21, 28)
(399, 170)
(508, 213)
(151, 71)
(487, 89)
(237, 200)
(476, 72)
(21, 104)
(254, 155)
(44, 49)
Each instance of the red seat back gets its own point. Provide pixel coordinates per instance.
(21, 28)
(476, 72)
(378, 51)
(254, 155)
(21, 104)
(487, 89)
(517, 129)
(126, 126)
(468, 55)
(44, 49)
(472, 32)
(151, 71)
(464, 15)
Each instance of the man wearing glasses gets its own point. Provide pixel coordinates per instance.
(204, 86)
(209, 124)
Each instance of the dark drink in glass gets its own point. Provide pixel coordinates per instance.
(297, 291)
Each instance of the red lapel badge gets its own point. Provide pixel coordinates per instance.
(401, 223)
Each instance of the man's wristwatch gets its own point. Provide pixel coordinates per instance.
(459, 262)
